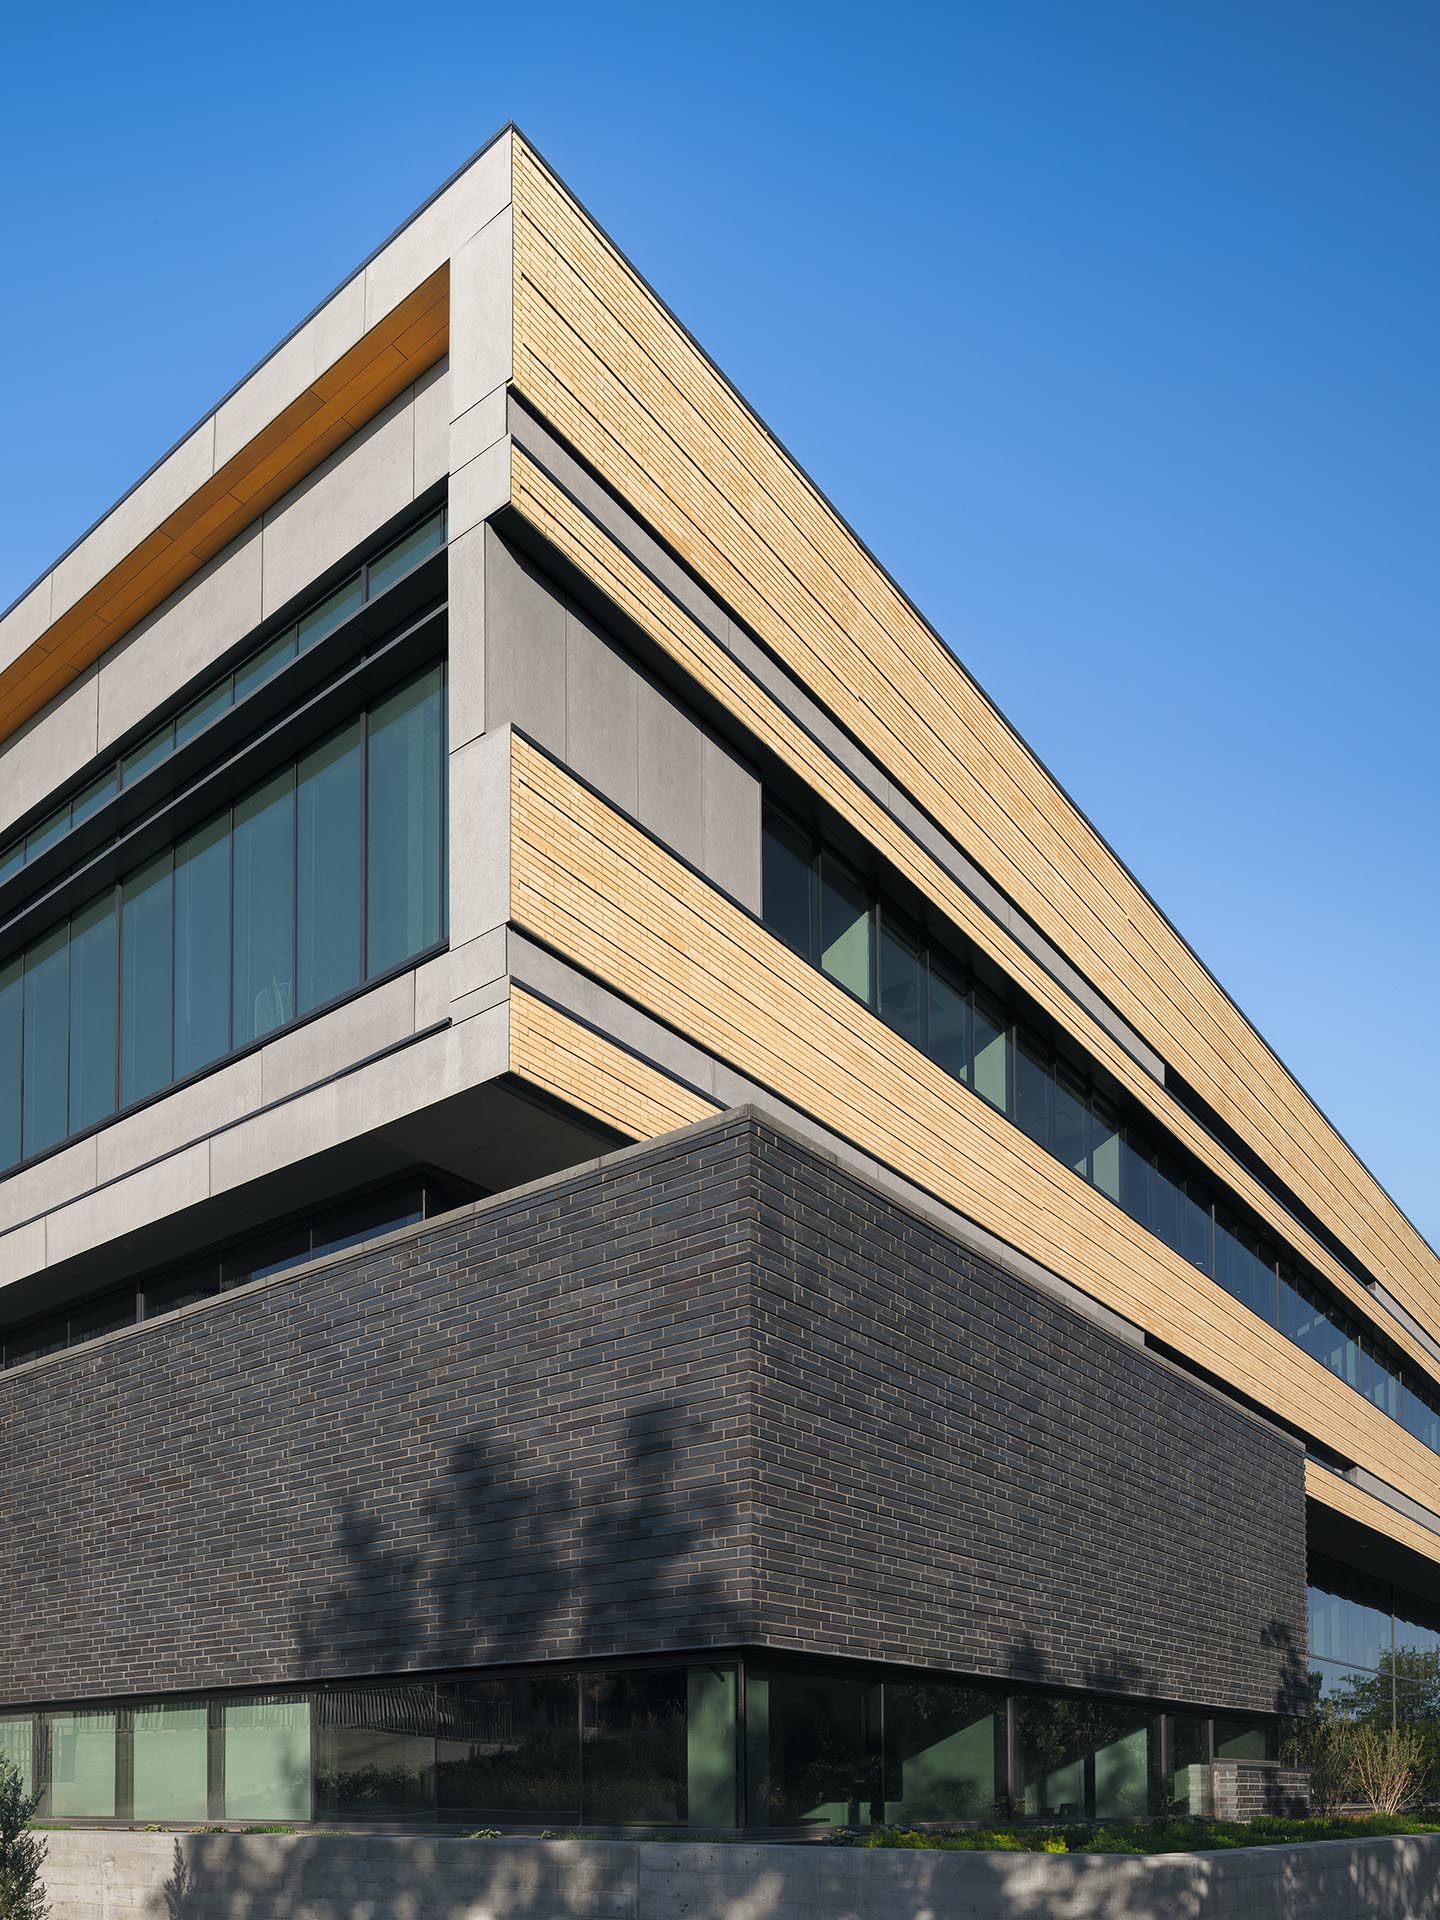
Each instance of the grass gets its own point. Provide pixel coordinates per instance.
(1159, 1836)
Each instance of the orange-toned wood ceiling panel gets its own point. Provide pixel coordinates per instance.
(395, 352)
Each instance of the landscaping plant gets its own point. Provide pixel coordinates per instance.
(22, 1854)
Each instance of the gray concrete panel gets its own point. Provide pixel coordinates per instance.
(465, 675)
(670, 786)
(524, 647)
(732, 825)
(480, 836)
(481, 312)
(50, 748)
(314, 347)
(432, 427)
(601, 722)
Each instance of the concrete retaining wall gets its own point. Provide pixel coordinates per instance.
(115, 1875)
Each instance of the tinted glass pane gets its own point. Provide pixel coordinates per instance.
(509, 1750)
(992, 1053)
(47, 1020)
(82, 1765)
(944, 1752)
(1246, 1740)
(147, 945)
(1353, 1692)
(902, 1003)
(407, 552)
(47, 833)
(1167, 1205)
(357, 1220)
(267, 1759)
(948, 1040)
(375, 1753)
(12, 860)
(1349, 1620)
(1189, 1771)
(198, 715)
(12, 1005)
(92, 1013)
(148, 754)
(1105, 1149)
(327, 616)
(328, 851)
(1199, 1227)
(170, 1752)
(1419, 1417)
(39, 1338)
(711, 1753)
(812, 1750)
(17, 1749)
(1034, 1088)
(264, 665)
(268, 1254)
(1072, 1124)
(847, 922)
(182, 1287)
(108, 1314)
(1417, 1625)
(202, 947)
(1135, 1172)
(406, 824)
(1084, 1759)
(264, 910)
(633, 1754)
(786, 878)
(94, 797)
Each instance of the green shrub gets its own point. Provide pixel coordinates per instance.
(22, 1893)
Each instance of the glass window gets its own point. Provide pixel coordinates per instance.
(12, 860)
(1167, 1204)
(82, 1765)
(181, 1288)
(41, 838)
(252, 674)
(108, 1314)
(949, 1033)
(1420, 1418)
(1034, 1091)
(711, 1754)
(1189, 1782)
(1084, 1759)
(266, 1745)
(267, 1254)
(1349, 1617)
(47, 1021)
(264, 910)
(812, 1750)
(39, 1338)
(170, 1758)
(94, 797)
(992, 1053)
(357, 1220)
(148, 754)
(407, 552)
(1353, 1692)
(1105, 1149)
(198, 715)
(902, 1001)
(328, 851)
(12, 1006)
(1246, 1740)
(328, 615)
(634, 1750)
(92, 1013)
(375, 1753)
(847, 919)
(147, 946)
(944, 1752)
(17, 1748)
(405, 907)
(509, 1751)
(1135, 1174)
(202, 946)
(1072, 1123)
(786, 875)
(1377, 1382)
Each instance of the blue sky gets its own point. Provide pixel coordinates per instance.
(1111, 328)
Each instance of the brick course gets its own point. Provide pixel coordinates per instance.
(713, 1393)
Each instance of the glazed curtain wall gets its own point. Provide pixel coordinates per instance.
(1375, 1654)
(705, 1746)
(823, 909)
(328, 874)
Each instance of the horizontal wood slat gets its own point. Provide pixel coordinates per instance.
(1329, 1490)
(567, 528)
(577, 1065)
(337, 403)
(605, 896)
(599, 356)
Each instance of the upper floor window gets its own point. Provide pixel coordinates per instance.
(328, 874)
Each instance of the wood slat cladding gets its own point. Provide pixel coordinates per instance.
(599, 357)
(575, 1064)
(336, 404)
(1329, 1490)
(609, 899)
(577, 538)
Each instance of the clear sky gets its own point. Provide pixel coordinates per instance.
(1113, 328)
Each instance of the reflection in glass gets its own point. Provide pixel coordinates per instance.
(82, 1765)
(12, 1009)
(266, 1745)
(202, 946)
(148, 754)
(17, 1749)
(634, 1747)
(407, 552)
(1189, 1769)
(944, 1752)
(198, 715)
(786, 871)
(264, 896)
(252, 674)
(1033, 1089)
(375, 1752)
(146, 988)
(949, 1031)
(328, 853)
(92, 1013)
(324, 619)
(846, 926)
(47, 1020)
(509, 1750)
(41, 838)
(812, 1746)
(1246, 1740)
(902, 1002)
(992, 1053)
(170, 1751)
(94, 797)
(1084, 1759)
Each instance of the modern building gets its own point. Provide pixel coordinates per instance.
(612, 1208)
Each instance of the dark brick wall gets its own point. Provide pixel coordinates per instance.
(714, 1394)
